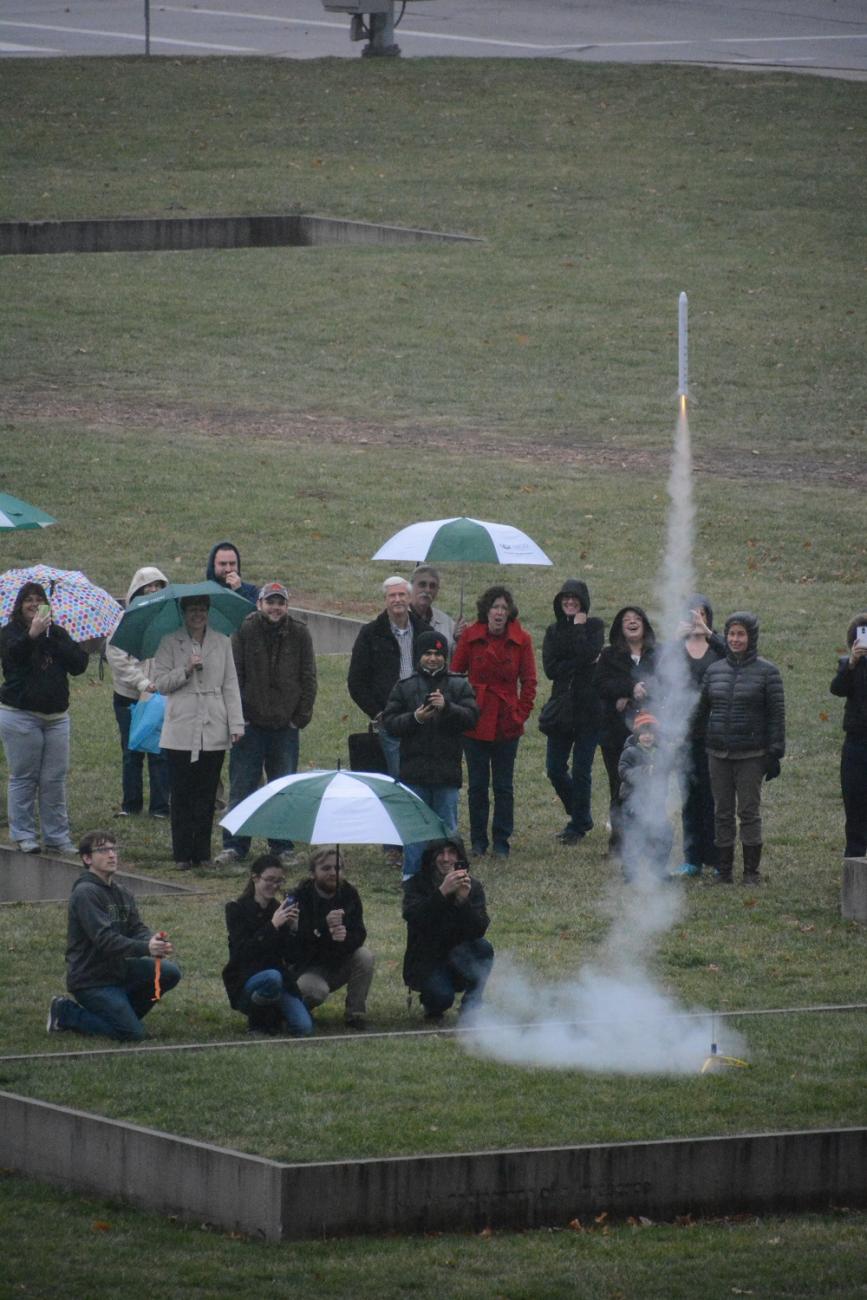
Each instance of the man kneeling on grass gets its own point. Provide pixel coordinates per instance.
(446, 918)
(116, 968)
(331, 935)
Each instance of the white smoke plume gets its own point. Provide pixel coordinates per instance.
(611, 1016)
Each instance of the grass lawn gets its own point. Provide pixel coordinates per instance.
(309, 402)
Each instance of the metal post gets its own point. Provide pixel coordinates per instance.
(381, 28)
(147, 5)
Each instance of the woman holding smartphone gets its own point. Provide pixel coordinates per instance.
(262, 950)
(37, 656)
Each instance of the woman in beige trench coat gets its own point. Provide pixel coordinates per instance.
(195, 670)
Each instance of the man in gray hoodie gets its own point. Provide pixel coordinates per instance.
(116, 968)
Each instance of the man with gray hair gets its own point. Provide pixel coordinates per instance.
(384, 653)
(425, 585)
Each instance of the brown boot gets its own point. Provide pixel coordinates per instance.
(725, 861)
(752, 858)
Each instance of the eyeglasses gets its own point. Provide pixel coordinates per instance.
(105, 848)
(273, 880)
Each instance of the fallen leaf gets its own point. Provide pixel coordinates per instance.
(575, 1225)
(823, 717)
(100, 1225)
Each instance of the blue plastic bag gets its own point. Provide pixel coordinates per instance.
(146, 724)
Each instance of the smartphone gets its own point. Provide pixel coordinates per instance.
(289, 900)
(45, 611)
(861, 635)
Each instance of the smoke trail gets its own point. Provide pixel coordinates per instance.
(612, 1017)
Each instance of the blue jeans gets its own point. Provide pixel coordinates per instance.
(37, 753)
(274, 750)
(490, 763)
(390, 746)
(132, 768)
(466, 968)
(573, 788)
(265, 989)
(697, 814)
(117, 1010)
(443, 799)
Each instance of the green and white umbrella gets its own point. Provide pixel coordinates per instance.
(18, 514)
(463, 541)
(336, 807)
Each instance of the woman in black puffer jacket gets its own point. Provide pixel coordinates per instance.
(851, 684)
(742, 699)
(623, 680)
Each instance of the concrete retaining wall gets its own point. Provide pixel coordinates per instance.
(775, 1172)
(853, 901)
(331, 634)
(183, 234)
(36, 878)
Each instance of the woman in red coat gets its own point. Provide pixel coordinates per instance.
(497, 656)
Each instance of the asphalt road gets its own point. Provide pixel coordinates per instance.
(825, 37)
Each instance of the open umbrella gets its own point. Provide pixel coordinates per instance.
(84, 610)
(336, 807)
(149, 618)
(465, 540)
(18, 514)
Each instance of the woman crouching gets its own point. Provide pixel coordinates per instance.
(262, 942)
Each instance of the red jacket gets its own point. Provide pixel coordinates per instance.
(502, 672)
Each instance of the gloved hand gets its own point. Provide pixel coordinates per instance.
(772, 768)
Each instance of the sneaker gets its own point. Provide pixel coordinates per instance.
(52, 1024)
(227, 858)
(688, 869)
(568, 837)
(183, 866)
(28, 846)
(500, 850)
(122, 812)
(160, 816)
(67, 848)
(355, 1020)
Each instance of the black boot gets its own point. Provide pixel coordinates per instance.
(752, 858)
(725, 861)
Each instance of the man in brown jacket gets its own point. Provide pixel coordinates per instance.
(277, 676)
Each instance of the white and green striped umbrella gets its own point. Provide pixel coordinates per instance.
(334, 807)
(464, 541)
(20, 514)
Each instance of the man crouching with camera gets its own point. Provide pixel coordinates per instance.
(446, 918)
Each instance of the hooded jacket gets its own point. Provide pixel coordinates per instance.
(569, 654)
(104, 931)
(850, 684)
(430, 752)
(246, 589)
(276, 671)
(502, 672)
(315, 946)
(616, 677)
(36, 669)
(374, 666)
(436, 925)
(256, 945)
(743, 701)
(132, 677)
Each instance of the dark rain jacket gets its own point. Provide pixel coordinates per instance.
(616, 677)
(247, 589)
(104, 931)
(375, 663)
(276, 671)
(743, 702)
(256, 945)
(850, 684)
(431, 752)
(569, 654)
(436, 925)
(315, 945)
(36, 669)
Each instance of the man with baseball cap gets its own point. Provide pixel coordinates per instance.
(429, 712)
(277, 677)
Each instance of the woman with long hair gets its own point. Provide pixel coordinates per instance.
(262, 950)
(496, 654)
(38, 657)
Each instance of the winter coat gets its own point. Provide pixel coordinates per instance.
(850, 684)
(431, 752)
(131, 677)
(276, 671)
(375, 663)
(615, 678)
(247, 589)
(203, 710)
(742, 700)
(104, 931)
(502, 672)
(255, 945)
(569, 654)
(36, 669)
(315, 946)
(436, 925)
